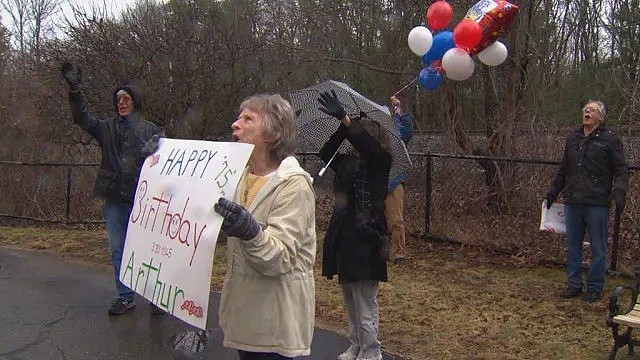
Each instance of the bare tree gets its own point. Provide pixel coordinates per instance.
(31, 24)
(40, 14)
(623, 60)
(4, 47)
(18, 10)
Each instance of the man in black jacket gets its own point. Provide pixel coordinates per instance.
(593, 172)
(125, 141)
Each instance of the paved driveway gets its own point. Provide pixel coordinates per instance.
(54, 309)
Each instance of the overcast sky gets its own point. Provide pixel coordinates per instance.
(111, 7)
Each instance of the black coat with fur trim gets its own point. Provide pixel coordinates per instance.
(121, 144)
(357, 234)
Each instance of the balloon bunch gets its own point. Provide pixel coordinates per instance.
(450, 52)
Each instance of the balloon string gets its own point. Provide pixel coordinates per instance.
(405, 87)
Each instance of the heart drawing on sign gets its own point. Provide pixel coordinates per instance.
(154, 160)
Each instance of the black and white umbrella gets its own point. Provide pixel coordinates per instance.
(316, 127)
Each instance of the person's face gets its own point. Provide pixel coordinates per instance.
(249, 128)
(395, 101)
(591, 115)
(125, 105)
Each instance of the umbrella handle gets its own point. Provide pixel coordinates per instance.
(322, 171)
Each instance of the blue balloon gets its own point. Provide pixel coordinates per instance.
(442, 42)
(430, 78)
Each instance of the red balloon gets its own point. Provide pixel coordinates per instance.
(439, 15)
(438, 66)
(467, 34)
(494, 18)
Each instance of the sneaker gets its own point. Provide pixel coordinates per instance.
(350, 354)
(571, 292)
(155, 310)
(120, 306)
(592, 296)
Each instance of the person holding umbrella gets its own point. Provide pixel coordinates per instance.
(356, 242)
(593, 172)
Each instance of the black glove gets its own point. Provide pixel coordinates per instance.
(551, 198)
(619, 198)
(73, 75)
(331, 105)
(238, 221)
(151, 146)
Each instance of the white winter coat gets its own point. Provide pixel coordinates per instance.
(268, 295)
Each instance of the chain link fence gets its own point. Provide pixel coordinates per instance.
(446, 199)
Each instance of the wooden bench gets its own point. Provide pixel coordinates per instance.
(624, 315)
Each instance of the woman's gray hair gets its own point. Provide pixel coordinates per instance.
(280, 123)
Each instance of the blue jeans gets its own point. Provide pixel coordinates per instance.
(361, 302)
(595, 219)
(117, 219)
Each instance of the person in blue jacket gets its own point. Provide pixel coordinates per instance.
(394, 202)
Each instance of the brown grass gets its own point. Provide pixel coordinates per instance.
(443, 303)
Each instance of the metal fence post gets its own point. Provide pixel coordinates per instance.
(67, 210)
(427, 197)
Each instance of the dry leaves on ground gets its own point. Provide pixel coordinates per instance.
(445, 302)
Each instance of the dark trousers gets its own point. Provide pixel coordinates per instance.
(245, 355)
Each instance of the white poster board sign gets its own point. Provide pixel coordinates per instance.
(172, 233)
(552, 219)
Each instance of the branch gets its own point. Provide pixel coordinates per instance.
(343, 60)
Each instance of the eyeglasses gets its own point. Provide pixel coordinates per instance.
(124, 99)
(591, 109)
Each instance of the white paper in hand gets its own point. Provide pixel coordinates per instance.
(552, 219)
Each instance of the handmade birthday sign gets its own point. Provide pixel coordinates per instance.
(172, 232)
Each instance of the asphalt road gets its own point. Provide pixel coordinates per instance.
(55, 309)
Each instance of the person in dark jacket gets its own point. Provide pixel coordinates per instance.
(593, 172)
(125, 141)
(394, 202)
(356, 240)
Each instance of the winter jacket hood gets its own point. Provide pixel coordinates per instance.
(136, 96)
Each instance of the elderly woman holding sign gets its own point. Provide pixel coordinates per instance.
(268, 297)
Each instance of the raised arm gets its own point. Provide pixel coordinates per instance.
(79, 112)
(331, 106)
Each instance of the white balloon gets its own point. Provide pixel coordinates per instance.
(420, 40)
(458, 64)
(494, 55)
